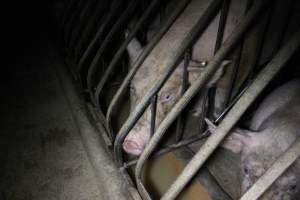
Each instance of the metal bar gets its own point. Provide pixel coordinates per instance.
(189, 40)
(270, 176)
(184, 86)
(100, 12)
(106, 21)
(200, 82)
(261, 81)
(211, 93)
(93, 66)
(121, 91)
(111, 67)
(153, 114)
(172, 147)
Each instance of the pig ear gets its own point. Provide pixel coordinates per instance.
(195, 68)
(134, 48)
(236, 140)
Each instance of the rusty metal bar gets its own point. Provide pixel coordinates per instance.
(121, 91)
(190, 39)
(270, 176)
(191, 92)
(122, 49)
(93, 66)
(261, 81)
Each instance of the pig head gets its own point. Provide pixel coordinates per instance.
(170, 93)
(260, 147)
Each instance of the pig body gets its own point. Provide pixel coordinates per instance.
(274, 127)
(159, 58)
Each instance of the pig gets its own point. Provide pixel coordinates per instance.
(170, 93)
(274, 126)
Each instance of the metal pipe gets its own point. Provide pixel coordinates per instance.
(270, 176)
(153, 114)
(200, 82)
(122, 49)
(116, 27)
(121, 91)
(189, 40)
(264, 77)
(82, 21)
(184, 86)
(106, 21)
(97, 17)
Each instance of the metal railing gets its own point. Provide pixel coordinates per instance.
(88, 62)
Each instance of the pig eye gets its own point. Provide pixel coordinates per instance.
(292, 187)
(246, 171)
(165, 97)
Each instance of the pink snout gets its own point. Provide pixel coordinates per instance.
(136, 141)
(132, 147)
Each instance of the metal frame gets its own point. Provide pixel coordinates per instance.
(230, 115)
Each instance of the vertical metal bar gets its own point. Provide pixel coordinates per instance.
(211, 93)
(270, 176)
(189, 40)
(153, 114)
(261, 81)
(93, 66)
(121, 91)
(184, 86)
(122, 49)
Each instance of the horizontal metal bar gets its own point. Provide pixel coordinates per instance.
(189, 40)
(261, 81)
(121, 91)
(270, 176)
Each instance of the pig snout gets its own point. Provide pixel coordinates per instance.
(136, 140)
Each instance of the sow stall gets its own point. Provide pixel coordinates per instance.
(258, 37)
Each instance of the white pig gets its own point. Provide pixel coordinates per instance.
(138, 137)
(274, 127)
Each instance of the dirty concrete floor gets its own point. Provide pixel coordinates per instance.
(41, 153)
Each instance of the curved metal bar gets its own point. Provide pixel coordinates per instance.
(260, 82)
(116, 27)
(83, 19)
(188, 41)
(270, 176)
(114, 10)
(122, 49)
(113, 104)
(99, 14)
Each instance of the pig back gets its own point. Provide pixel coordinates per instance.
(286, 97)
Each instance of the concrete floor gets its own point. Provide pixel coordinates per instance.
(41, 152)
